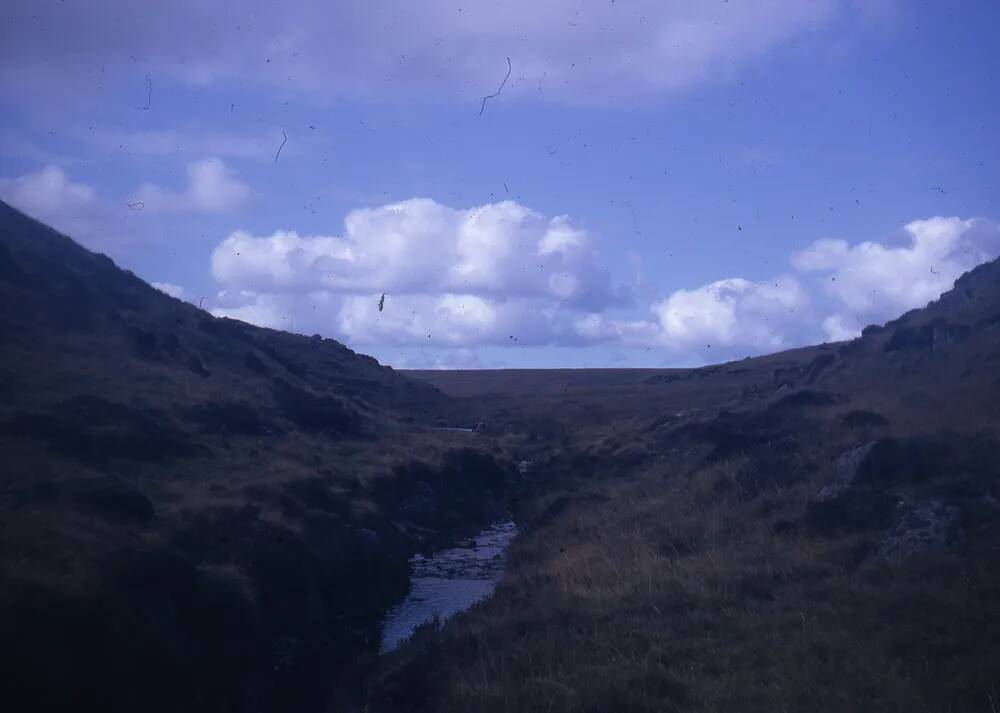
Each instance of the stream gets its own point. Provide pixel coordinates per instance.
(448, 582)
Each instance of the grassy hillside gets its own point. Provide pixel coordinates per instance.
(195, 513)
(815, 530)
(199, 514)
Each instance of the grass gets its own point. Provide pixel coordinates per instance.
(674, 597)
(196, 514)
(690, 579)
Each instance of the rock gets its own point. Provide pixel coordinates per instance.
(928, 528)
(844, 504)
(847, 466)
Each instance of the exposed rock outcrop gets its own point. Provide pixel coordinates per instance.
(930, 527)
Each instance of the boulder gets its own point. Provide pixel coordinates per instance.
(927, 528)
(847, 504)
(846, 468)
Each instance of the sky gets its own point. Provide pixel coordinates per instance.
(571, 183)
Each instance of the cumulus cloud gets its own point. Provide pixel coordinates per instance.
(732, 313)
(499, 273)
(419, 246)
(872, 281)
(561, 49)
(264, 310)
(212, 188)
(48, 192)
(502, 274)
(73, 207)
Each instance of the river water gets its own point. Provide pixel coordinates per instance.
(448, 582)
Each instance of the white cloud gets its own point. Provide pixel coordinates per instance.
(48, 192)
(212, 188)
(499, 275)
(72, 207)
(732, 313)
(837, 330)
(447, 319)
(264, 310)
(875, 282)
(170, 289)
(419, 246)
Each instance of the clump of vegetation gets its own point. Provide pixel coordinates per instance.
(313, 413)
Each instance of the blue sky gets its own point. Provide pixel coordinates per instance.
(657, 183)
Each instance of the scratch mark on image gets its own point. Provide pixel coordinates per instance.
(497, 93)
(284, 140)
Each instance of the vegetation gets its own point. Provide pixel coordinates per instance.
(197, 514)
(815, 533)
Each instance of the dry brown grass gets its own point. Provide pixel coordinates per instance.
(680, 597)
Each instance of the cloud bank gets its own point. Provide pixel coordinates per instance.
(503, 274)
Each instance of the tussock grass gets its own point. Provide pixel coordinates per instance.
(681, 596)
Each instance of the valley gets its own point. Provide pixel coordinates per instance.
(200, 514)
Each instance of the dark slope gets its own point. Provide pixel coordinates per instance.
(816, 530)
(67, 310)
(195, 513)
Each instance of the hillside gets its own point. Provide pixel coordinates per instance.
(199, 514)
(811, 530)
(196, 513)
